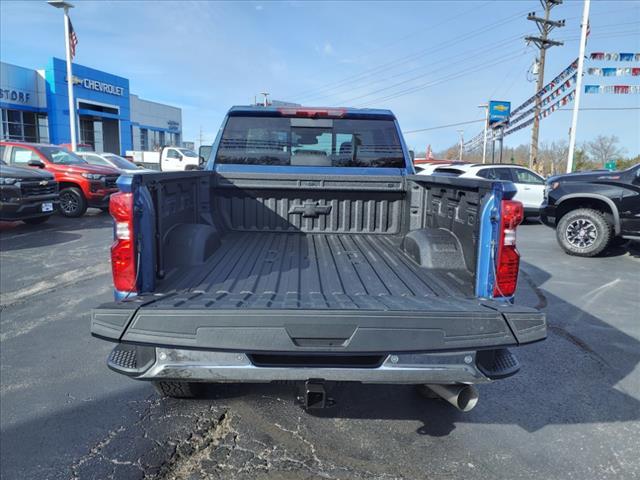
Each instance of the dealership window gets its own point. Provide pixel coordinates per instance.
(144, 139)
(24, 126)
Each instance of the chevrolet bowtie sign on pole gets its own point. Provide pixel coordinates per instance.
(498, 117)
(70, 40)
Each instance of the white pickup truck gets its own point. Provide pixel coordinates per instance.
(168, 159)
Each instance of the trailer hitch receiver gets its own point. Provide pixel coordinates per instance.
(313, 395)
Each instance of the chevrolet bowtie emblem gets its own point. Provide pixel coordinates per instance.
(44, 182)
(74, 79)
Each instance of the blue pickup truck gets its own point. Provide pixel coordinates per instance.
(307, 250)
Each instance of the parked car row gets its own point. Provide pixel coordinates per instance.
(589, 210)
(529, 185)
(38, 179)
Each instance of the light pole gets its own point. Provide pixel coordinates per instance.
(578, 90)
(72, 108)
(486, 125)
(461, 133)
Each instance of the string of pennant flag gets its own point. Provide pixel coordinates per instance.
(569, 71)
(615, 56)
(564, 81)
(614, 72)
(617, 89)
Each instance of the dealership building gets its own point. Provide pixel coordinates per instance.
(35, 108)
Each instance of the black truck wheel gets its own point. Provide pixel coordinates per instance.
(72, 202)
(36, 220)
(584, 232)
(179, 389)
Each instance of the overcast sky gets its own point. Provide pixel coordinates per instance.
(432, 63)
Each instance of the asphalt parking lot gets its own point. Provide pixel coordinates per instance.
(573, 411)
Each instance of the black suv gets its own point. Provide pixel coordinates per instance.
(593, 210)
(27, 194)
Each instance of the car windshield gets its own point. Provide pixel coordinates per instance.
(60, 156)
(310, 142)
(187, 153)
(120, 162)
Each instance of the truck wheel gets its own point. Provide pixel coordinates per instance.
(584, 232)
(37, 220)
(179, 389)
(72, 202)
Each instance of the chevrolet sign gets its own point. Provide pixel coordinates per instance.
(98, 86)
(499, 112)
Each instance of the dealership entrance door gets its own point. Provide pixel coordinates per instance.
(98, 128)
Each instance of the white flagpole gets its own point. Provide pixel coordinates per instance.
(72, 107)
(576, 102)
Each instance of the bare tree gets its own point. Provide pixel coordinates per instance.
(553, 156)
(604, 148)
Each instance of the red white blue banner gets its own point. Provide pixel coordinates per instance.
(617, 89)
(614, 72)
(615, 56)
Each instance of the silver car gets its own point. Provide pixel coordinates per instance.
(112, 160)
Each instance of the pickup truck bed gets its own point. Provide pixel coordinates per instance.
(259, 263)
(313, 271)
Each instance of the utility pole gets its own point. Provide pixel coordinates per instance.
(576, 102)
(461, 133)
(200, 137)
(545, 25)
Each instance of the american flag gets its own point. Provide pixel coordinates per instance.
(73, 40)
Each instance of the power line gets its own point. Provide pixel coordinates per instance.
(462, 73)
(329, 85)
(602, 108)
(443, 126)
(414, 56)
(491, 48)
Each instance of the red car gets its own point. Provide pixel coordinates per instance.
(81, 185)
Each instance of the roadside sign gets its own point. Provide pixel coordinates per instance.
(611, 165)
(499, 111)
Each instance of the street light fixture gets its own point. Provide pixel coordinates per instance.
(461, 133)
(72, 110)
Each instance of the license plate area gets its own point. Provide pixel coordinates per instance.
(47, 207)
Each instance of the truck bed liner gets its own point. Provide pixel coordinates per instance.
(312, 271)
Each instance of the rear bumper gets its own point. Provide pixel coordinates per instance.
(221, 367)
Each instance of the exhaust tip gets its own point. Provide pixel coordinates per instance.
(467, 398)
(463, 397)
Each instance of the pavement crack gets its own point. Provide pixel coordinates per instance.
(189, 454)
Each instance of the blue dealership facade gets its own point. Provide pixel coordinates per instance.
(35, 108)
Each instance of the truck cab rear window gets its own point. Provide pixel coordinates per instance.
(310, 142)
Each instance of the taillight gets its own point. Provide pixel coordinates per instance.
(508, 258)
(123, 255)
